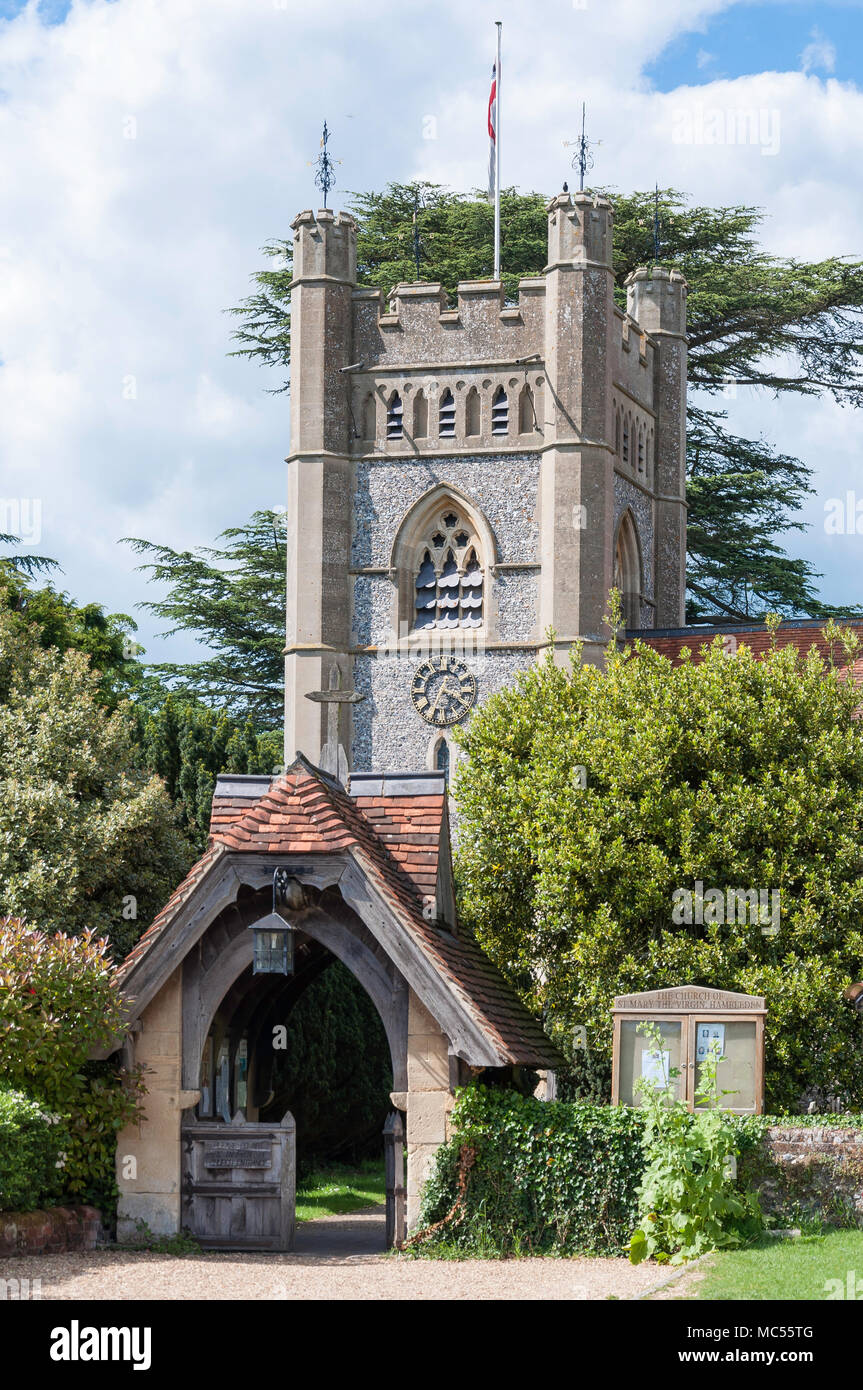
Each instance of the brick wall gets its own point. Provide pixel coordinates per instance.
(809, 1171)
(50, 1232)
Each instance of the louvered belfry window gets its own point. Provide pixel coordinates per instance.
(500, 412)
(446, 415)
(449, 585)
(395, 416)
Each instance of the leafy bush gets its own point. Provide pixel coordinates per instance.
(31, 1153)
(547, 1177)
(59, 999)
(687, 1200)
(587, 797)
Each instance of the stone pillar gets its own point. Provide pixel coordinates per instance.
(429, 1098)
(656, 299)
(319, 475)
(150, 1192)
(577, 478)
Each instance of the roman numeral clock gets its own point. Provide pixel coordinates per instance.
(443, 690)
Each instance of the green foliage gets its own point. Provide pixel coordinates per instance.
(548, 1178)
(737, 772)
(145, 1239)
(58, 1000)
(335, 1072)
(57, 621)
(188, 744)
(233, 598)
(87, 839)
(754, 320)
(687, 1201)
(31, 1152)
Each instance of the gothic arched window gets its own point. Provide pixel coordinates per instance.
(617, 432)
(395, 416)
(472, 408)
(526, 411)
(625, 449)
(641, 451)
(449, 583)
(446, 415)
(500, 412)
(627, 571)
(421, 416)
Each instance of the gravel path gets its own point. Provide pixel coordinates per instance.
(336, 1258)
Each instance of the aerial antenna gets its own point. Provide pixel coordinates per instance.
(582, 160)
(325, 176)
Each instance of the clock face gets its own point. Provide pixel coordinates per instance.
(443, 690)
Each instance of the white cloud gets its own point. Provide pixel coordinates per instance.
(818, 53)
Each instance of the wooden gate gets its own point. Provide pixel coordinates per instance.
(239, 1183)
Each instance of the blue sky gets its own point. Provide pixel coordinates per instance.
(751, 38)
(150, 147)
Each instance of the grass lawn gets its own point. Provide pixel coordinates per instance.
(342, 1189)
(798, 1268)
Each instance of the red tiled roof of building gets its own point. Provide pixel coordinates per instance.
(396, 840)
(802, 634)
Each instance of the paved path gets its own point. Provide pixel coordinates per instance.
(336, 1257)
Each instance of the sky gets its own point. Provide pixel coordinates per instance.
(151, 147)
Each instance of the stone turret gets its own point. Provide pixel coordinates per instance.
(656, 298)
(319, 475)
(576, 482)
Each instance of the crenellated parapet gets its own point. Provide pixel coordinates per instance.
(415, 324)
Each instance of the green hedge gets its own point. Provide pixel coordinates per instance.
(548, 1177)
(31, 1153)
(560, 1177)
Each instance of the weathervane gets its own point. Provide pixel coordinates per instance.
(582, 160)
(325, 177)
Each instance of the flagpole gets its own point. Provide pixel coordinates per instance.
(497, 161)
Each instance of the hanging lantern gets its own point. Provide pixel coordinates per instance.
(273, 934)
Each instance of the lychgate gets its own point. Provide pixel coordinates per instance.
(372, 888)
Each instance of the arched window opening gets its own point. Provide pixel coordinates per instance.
(627, 571)
(472, 409)
(369, 416)
(449, 582)
(500, 412)
(446, 416)
(441, 757)
(421, 416)
(625, 447)
(395, 416)
(526, 411)
(641, 451)
(617, 433)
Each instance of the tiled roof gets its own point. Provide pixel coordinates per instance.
(802, 634)
(396, 841)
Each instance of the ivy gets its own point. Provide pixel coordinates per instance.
(547, 1177)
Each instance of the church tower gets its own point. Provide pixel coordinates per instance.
(464, 479)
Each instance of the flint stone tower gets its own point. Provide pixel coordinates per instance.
(463, 479)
